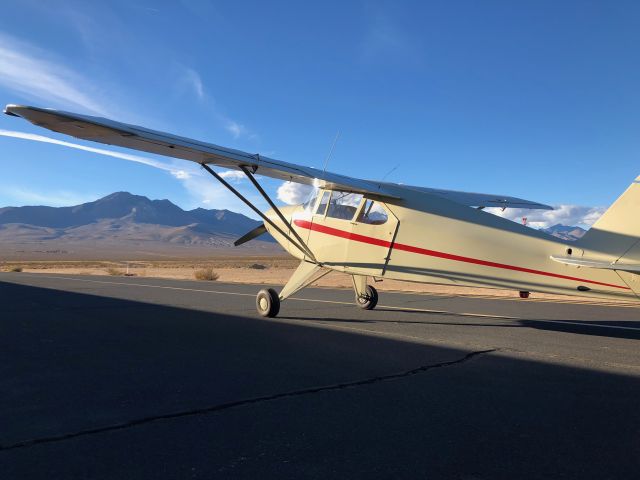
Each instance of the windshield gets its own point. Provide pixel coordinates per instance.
(310, 202)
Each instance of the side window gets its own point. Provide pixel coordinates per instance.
(343, 205)
(322, 206)
(372, 213)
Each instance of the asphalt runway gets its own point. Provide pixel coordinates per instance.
(107, 377)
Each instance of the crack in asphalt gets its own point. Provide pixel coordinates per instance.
(241, 403)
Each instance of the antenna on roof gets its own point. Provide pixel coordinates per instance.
(389, 172)
(326, 160)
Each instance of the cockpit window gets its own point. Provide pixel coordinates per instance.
(372, 213)
(311, 201)
(343, 205)
(322, 206)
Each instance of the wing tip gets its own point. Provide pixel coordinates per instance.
(9, 109)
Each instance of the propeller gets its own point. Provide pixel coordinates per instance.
(256, 232)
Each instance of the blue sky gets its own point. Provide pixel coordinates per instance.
(534, 99)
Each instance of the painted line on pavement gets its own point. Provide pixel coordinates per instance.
(391, 307)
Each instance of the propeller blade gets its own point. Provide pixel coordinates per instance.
(256, 232)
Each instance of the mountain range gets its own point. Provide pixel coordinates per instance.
(565, 233)
(125, 222)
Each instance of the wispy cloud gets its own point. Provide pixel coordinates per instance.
(190, 80)
(233, 175)
(202, 189)
(180, 173)
(385, 39)
(236, 129)
(30, 72)
(569, 215)
(55, 198)
(193, 79)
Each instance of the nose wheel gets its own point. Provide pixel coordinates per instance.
(268, 303)
(367, 300)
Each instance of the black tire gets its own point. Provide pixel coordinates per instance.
(369, 300)
(268, 303)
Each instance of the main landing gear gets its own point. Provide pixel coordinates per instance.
(366, 295)
(368, 300)
(268, 303)
(268, 300)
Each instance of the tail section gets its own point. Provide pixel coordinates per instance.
(615, 237)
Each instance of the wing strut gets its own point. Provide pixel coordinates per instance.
(277, 210)
(300, 246)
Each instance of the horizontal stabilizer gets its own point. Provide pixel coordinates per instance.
(582, 262)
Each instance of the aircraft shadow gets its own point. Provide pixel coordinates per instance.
(109, 386)
(579, 327)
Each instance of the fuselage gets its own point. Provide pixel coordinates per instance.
(424, 239)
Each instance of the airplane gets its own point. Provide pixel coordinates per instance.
(379, 230)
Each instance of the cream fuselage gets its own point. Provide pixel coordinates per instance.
(431, 240)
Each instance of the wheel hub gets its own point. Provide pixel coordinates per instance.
(264, 304)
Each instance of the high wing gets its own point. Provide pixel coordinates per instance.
(110, 132)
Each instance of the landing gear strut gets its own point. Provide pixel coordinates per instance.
(268, 300)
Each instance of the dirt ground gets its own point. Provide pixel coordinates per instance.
(267, 270)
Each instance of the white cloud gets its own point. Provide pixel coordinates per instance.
(191, 78)
(56, 198)
(236, 129)
(30, 72)
(176, 172)
(294, 193)
(569, 215)
(233, 176)
(195, 82)
(181, 174)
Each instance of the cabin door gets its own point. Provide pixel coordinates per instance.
(373, 231)
(352, 234)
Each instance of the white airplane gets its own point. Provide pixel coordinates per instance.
(371, 229)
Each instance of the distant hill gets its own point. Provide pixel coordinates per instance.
(124, 225)
(565, 232)
(128, 208)
(126, 222)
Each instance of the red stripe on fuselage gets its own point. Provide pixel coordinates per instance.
(434, 253)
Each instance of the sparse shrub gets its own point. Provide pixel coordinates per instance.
(15, 269)
(114, 272)
(206, 273)
(257, 266)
